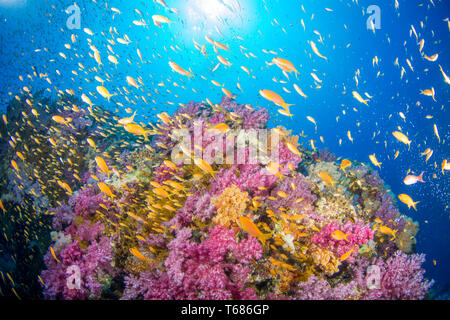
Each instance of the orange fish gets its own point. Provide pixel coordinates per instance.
(176, 68)
(408, 201)
(248, 226)
(274, 97)
(345, 164)
(411, 179)
(339, 235)
(346, 255)
(326, 178)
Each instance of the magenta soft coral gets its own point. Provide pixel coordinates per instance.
(197, 206)
(217, 268)
(247, 177)
(87, 202)
(287, 157)
(94, 263)
(359, 234)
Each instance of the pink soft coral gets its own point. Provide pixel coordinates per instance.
(359, 234)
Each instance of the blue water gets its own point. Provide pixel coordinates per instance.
(348, 45)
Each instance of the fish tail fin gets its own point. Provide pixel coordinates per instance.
(286, 106)
(420, 177)
(414, 205)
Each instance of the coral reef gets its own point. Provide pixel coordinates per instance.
(154, 226)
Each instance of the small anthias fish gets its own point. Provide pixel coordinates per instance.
(327, 179)
(374, 160)
(412, 179)
(406, 199)
(248, 226)
(339, 235)
(274, 97)
(345, 163)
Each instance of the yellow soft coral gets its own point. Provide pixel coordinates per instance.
(229, 204)
(325, 260)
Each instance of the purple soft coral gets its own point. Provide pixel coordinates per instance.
(400, 277)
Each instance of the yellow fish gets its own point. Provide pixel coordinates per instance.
(316, 51)
(14, 164)
(20, 155)
(105, 189)
(132, 82)
(125, 121)
(408, 201)
(273, 168)
(327, 179)
(135, 252)
(224, 61)
(429, 93)
(339, 235)
(248, 226)
(433, 58)
(176, 68)
(161, 192)
(86, 99)
(157, 20)
(61, 120)
(285, 112)
(91, 143)
(446, 77)
(202, 164)
(436, 132)
(445, 165)
(346, 255)
(274, 97)
(53, 254)
(358, 97)
(388, 231)
(221, 127)
(104, 92)
(293, 149)
(345, 164)
(299, 91)
(102, 165)
(137, 130)
(374, 160)
(402, 138)
(284, 65)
